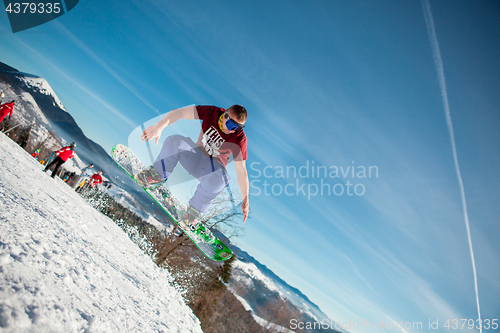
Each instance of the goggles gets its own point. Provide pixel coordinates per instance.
(231, 124)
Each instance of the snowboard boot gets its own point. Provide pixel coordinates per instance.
(149, 178)
(190, 219)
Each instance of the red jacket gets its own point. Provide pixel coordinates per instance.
(5, 109)
(95, 179)
(65, 153)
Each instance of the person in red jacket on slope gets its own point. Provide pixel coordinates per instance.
(95, 179)
(36, 153)
(63, 155)
(5, 109)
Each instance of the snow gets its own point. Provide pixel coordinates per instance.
(24, 102)
(242, 300)
(276, 328)
(253, 272)
(65, 267)
(41, 85)
(261, 321)
(246, 273)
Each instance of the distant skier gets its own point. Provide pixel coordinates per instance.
(6, 109)
(2, 95)
(63, 155)
(96, 179)
(89, 186)
(221, 135)
(36, 153)
(84, 176)
(68, 176)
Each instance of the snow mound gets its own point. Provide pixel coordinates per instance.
(64, 267)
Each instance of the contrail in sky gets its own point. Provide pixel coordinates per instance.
(444, 94)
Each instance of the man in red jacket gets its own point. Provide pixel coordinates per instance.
(220, 137)
(63, 155)
(95, 179)
(5, 109)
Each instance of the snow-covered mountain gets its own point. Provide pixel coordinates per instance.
(257, 283)
(40, 85)
(65, 267)
(37, 104)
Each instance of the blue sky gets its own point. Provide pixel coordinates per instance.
(340, 84)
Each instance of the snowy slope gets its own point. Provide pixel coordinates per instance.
(64, 267)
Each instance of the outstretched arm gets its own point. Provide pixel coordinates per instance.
(242, 175)
(154, 131)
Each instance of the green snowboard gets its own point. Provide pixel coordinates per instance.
(202, 237)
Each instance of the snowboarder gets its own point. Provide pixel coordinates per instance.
(63, 155)
(84, 176)
(221, 135)
(5, 109)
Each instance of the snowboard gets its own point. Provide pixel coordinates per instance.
(202, 237)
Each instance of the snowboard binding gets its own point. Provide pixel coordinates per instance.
(191, 219)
